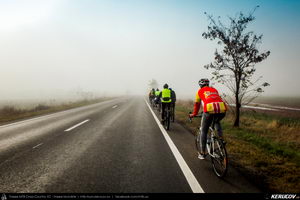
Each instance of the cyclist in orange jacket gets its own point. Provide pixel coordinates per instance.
(213, 107)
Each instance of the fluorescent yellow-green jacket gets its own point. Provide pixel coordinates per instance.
(166, 96)
(157, 93)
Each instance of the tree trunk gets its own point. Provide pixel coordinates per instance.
(237, 115)
(237, 103)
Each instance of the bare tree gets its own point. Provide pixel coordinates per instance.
(153, 83)
(234, 65)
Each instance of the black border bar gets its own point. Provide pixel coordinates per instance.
(204, 196)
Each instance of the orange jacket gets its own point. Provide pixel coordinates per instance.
(210, 99)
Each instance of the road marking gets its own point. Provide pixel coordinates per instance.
(115, 106)
(37, 145)
(191, 179)
(75, 126)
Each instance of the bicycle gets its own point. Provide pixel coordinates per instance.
(150, 101)
(167, 116)
(159, 106)
(215, 148)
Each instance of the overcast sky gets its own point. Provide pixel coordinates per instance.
(116, 46)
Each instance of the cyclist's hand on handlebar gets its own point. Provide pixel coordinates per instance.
(191, 115)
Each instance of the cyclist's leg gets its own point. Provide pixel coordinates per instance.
(174, 107)
(205, 123)
(173, 111)
(170, 109)
(159, 105)
(218, 118)
(163, 107)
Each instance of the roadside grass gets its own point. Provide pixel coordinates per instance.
(265, 148)
(10, 113)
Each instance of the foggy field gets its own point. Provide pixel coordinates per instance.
(16, 110)
(292, 102)
(277, 106)
(280, 106)
(32, 103)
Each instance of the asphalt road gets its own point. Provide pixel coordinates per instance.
(114, 146)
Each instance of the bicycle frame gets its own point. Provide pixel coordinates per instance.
(213, 137)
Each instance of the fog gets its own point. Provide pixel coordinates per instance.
(63, 48)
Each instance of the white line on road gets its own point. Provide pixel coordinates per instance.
(75, 126)
(115, 106)
(191, 179)
(37, 145)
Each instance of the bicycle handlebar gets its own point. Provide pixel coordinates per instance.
(198, 116)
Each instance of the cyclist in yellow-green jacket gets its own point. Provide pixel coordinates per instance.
(156, 98)
(165, 96)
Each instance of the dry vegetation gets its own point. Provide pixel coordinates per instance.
(10, 113)
(266, 148)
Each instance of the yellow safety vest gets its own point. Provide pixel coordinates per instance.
(166, 96)
(157, 93)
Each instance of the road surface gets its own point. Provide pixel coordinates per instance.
(114, 146)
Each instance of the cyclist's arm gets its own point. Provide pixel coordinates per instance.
(197, 105)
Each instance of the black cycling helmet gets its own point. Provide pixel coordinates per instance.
(166, 86)
(203, 82)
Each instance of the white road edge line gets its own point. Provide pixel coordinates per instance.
(75, 126)
(37, 145)
(115, 106)
(191, 179)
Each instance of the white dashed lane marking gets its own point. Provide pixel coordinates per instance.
(37, 145)
(75, 126)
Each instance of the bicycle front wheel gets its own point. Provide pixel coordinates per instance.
(197, 142)
(219, 158)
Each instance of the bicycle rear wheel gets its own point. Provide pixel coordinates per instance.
(219, 158)
(167, 121)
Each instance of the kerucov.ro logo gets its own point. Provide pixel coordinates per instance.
(283, 196)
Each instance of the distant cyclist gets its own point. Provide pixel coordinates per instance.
(151, 94)
(213, 107)
(173, 98)
(157, 99)
(166, 100)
